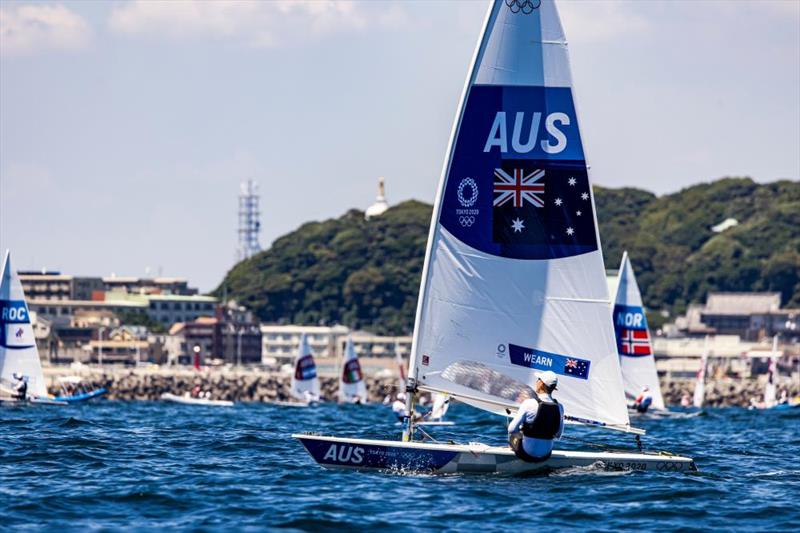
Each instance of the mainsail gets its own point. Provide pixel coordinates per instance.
(304, 378)
(351, 379)
(18, 353)
(514, 281)
(633, 338)
(700, 383)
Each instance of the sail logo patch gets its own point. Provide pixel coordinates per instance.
(352, 372)
(517, 186)
(305, 369)
(524, 6)
(13, 312)
(541, 360)
(630, 328)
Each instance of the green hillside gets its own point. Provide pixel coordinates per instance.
(365, 274)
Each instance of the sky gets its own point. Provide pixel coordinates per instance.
(126, 127)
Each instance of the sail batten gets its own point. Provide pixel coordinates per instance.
(513, 282)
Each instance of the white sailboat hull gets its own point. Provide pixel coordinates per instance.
(195, 401)
(473, 458)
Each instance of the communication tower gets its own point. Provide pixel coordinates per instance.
(249, 220)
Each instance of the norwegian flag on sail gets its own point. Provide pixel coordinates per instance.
(518, 187)
(634, 342)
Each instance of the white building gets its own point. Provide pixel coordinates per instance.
(281, 342)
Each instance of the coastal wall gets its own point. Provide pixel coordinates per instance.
(261, 386)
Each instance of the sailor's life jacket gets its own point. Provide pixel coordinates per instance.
(546, 423)
(539, 432)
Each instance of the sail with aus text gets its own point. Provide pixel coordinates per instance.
(634, 346)
(18, 353)
(304, 377)
(514, 281)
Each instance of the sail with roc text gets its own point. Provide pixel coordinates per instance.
(304, 377)
(352, 386)
(514, 281)
(634, 346)
(18, 354)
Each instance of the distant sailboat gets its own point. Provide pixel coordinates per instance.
(352, 386)
(700, 383)
(19, 357)
(305, 383)
(513, 281)
(636, 358)
(770, 396)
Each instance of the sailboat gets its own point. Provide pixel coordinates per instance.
(513, 281)
(304, 389)
(19, 357)
(352, 387)
(700, 383)
(636, 358)
(435, 417)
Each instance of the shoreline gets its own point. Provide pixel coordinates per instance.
(251, 385)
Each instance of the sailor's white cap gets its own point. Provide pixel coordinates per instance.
(549, 378)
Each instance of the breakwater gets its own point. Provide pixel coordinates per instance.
(264, 386)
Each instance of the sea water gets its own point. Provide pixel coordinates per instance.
(138, 465)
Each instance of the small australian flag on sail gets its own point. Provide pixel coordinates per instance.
(546, 204)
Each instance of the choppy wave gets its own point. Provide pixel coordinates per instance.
(122, 465)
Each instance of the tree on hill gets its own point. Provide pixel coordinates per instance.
(366, 273)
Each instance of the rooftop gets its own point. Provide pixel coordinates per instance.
(742, 303)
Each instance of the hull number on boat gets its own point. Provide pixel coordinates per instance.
(624, 465)
(344, 453)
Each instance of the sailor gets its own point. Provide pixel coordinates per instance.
(539, 421)
(21, 387)
(399, 406)
(643, 401)
(310, 397)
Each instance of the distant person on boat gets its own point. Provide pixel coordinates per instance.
(399, 406)
(539, 421)
(686, 400)
(20, 388)
(310, 397)
(643, 401)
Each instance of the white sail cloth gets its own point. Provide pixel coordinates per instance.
(352, 386)
(305, 383)
(700, 383)
(18, 353)
(634, 345)
(514, 281)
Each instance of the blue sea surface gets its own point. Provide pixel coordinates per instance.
(137, 465)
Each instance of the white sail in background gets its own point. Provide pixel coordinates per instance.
(700, 383)
(514, 281)
(351, 378)
(18, 353)
(770, 398)
(304, 377)
(636, 358)
(441, 403)
(401, 369)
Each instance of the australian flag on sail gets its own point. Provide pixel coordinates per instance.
(542, 205)
(541, 360)
(630, 327)
(305, 368)
(352, 372)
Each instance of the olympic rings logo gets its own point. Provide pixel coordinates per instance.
(467, 202)
(466, 221)
(526, 6)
